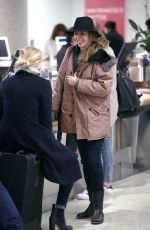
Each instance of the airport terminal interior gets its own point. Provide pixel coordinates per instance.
(31, 23)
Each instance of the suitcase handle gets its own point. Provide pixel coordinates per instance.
(24, 152)
(21, 152)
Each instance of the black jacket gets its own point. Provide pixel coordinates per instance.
(116, 41)
(61, 54)
(25, 123)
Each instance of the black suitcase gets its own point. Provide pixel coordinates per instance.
(21, 175)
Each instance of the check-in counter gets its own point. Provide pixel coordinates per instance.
(140, 73)
(130, 136)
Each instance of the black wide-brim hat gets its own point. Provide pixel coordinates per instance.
(85, 24)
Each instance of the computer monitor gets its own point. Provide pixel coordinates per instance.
(125, 54)
(60, 41)
(5, 54)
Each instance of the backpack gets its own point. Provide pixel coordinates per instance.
(129, 103)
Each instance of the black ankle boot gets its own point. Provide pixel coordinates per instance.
(57, 219)
(86, 214)
(97, 201)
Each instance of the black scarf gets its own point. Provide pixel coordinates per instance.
(100, 56)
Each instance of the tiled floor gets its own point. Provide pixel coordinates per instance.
(128, 208)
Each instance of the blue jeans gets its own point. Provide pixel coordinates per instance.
(9, 215)
(107, 160)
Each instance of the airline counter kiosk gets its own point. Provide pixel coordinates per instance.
(131, 136)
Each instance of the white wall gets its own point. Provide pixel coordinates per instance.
(13, 18)
(41, 15)
(44, 14)
(77, 9)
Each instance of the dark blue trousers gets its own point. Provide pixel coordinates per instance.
(9, 215)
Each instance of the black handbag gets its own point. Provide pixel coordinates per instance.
(129, 103)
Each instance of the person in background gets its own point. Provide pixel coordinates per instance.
(107, 153)
(62, 51)
(97, 23)
(26, 123)
(85, 80)
(9, 216)
(50, 48)
(116, 40)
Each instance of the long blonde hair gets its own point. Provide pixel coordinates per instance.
(29, 57)
(96, 43)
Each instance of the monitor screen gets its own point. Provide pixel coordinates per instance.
(125, 54)
(4, 49)
(60, 41)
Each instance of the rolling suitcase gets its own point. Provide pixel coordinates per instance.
(21, 175)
